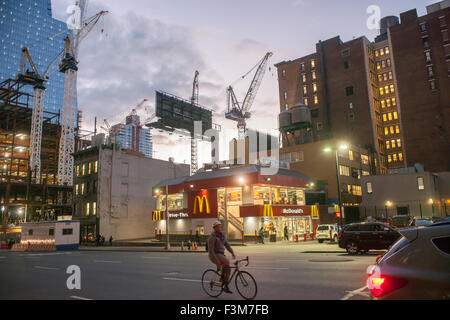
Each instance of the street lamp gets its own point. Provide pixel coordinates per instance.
(329, 149)
(387, 204)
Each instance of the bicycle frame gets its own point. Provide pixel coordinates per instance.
(236, 268)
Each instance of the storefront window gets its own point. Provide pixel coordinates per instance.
(234, 196)
(288, 196)
(176, 202)
(261, 195)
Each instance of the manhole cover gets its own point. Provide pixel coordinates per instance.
(330, 260)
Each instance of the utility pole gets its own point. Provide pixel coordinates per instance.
(167, 218)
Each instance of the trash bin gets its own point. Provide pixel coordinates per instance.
(273, 237)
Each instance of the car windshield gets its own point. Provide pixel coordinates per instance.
(321, 228)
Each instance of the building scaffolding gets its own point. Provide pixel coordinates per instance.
(22, 198)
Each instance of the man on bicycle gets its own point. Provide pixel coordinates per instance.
(216, 253)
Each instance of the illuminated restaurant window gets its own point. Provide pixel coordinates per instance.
(175, 202)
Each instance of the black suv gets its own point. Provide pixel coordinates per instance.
(362, 237)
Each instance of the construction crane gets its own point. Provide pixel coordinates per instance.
(69, 67)
(37, 81)
(194, 146)
(241, 113)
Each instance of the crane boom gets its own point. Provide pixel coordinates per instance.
(195, 90)
(256, 82)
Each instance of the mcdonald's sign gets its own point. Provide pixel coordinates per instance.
(336, 208)
(156, 215)
(201, 205)
(314, 212)
(268, 210)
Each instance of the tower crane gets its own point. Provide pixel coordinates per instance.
(194, 146)
(240, 113)
(37, 81)
(69, 67)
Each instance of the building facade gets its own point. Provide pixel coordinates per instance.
(373, 95)
(133, 136)
(412, 191)
(243, 198)
(112, 191)
(30, 24)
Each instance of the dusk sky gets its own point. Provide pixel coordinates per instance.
(150, 45)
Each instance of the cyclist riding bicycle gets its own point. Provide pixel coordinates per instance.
(216, 253)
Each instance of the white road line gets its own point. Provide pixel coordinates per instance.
(106, 261)
(45, 268)
(263, 268)
(354, 293)
(179, 279)
(79, 298)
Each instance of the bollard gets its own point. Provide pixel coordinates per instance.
(304, 237)
(256, 237)
(312, 236)
(331, 239)
(296, 238)
(242, 237)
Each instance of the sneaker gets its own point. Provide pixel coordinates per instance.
(226, 289)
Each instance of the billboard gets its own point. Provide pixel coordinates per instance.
(176, 113)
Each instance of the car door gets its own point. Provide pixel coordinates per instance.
(369, 236)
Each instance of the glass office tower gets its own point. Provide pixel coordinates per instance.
(29, 23)
(133, 136)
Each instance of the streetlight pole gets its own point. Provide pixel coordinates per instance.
(338, 187)
(167, 218)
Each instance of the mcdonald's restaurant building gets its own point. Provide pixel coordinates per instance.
(243, 198)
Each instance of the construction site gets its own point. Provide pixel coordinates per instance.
(36, 145)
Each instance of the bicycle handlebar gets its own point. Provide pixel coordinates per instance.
(239, 261)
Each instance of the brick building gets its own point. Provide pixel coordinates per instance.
(388, 96)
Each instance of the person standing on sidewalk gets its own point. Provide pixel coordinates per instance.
(261, 235)
(216, 253)
(286, 233)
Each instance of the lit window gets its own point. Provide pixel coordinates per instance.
(395, 115)
(89, 168)
(390, 75)
(390, 116)
(305, 101)
(388, 62)
(305, 90)
(283, 73)
(399, 143)
(313, 63)
(94, 208)
(381, 91)
(83, 169)
(76, 189)
(386, 89)
(377, 53)
(304, 77)
(380, 78)
(389, 158)
(82, 188)
(397, 129)
(393, 143)
(388, 145)
(383, 104)
(302, 67)
(385, 76)
(392, 88)
(391, 129)
(316, 99)
(420, 183)
(394, 157)
(350, 154)
(383, 64)
(87, 208)
(388, 102)
(285, 95)
(95, 166)
(384, 117)
(394, 101)
(344, 171)
(314, 87)
(386, 50)
(314, 75)
(382, 52)
(378, 66)
(428, 56)
(400, 156)
(386, 131)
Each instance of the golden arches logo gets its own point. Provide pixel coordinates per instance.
(314, 211)
(336, 208)
(201, 203)
(268, 210)
(156, 215)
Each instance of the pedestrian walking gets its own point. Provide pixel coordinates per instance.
(261, 235)
(197, 237)
(110, 241)
(286, 233)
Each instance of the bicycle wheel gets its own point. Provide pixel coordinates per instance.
(246, 285)
(211, 283)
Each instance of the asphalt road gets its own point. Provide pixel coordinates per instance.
(283, 272)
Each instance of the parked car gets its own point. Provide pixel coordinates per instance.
(417, 266)
(400, 221)
(365, 236)
(419, 222)
(323, 232)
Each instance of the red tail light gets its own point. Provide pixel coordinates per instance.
(381, 285)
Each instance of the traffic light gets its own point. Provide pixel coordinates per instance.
(338, 214)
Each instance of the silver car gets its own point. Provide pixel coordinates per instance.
(417, 266)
